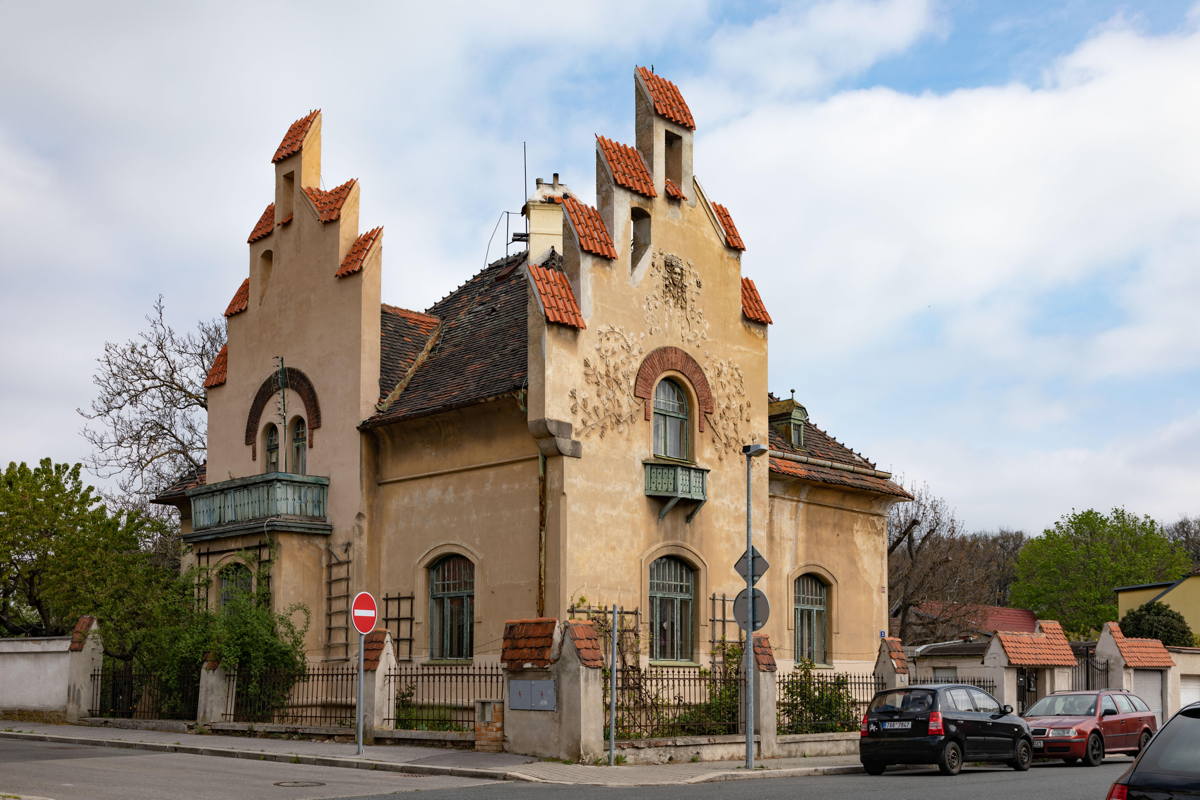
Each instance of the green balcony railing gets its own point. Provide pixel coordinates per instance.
(275, 500)
(676, 482)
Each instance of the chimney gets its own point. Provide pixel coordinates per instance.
(545, 214)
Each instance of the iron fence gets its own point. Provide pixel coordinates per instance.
(129, 692)
(675, 701)
(440, 697)
(811, 701)
(319, 695)
(987, 684)
(1089, 672)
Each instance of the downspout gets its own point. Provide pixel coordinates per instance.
(541, 590)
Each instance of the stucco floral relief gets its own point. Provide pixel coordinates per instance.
(672, 304)
(730, 422)
(606, 402)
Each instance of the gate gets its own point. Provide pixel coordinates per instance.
(1026, 688)
(1089, 672)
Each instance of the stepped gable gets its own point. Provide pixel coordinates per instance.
(732, 238)
(589, 228)
(627, 166)
(555, 293)
(240, 301)
(293, 140)
(264, 226)
(818, 444)
(328, 204)
(480, 353)
(752, 304)
(357, 254)
(404, 337)
(668, 100)
(218, 372)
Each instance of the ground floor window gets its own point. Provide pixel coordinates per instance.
(672, 610)
(451, 608)
(812, 619)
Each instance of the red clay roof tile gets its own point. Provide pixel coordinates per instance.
(587, 643)
(895, 650)
(240, 301)
(764, 655)
(528, 642)
(357, 254)
(217, 372)
(985, 619)
(673, 190)
(373, 644)
(556, 295)
(328, 204)
(752, 304)
(819, 444)
(1046, 648)
(668, 101)
(264, 226)
(589, 228)
(293, 140)
(627, 166)
(79, 633)
(1140, 653)
(732, 237)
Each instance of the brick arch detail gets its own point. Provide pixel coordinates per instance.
(672, 358)
(297, 382)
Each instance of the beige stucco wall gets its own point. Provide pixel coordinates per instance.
(33, 673)
(1184, 598)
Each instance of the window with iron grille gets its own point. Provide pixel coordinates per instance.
(236, 581)
(672, 610)
(451, 608)
(670, 420)
(271, 462)
(812, 619)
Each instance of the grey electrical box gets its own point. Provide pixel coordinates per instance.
(532, 695)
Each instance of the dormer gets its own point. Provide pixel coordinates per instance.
(787, 418)
(665, 128)
(297, 163)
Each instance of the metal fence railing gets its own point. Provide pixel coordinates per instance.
(440, 697)
(660, 702)
(987, 684)
(812, 701)
(321, 695)
(132, 693)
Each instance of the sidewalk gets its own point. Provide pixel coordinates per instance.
(424, 760)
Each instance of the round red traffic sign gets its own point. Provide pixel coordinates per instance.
(364, 612)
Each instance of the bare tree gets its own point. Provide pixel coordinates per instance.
(148, 423)
(1186, 533)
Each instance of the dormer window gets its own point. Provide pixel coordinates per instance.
(671, 421)
(640, 222)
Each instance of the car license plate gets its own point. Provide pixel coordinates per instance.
(1037, 744)
(901, 725)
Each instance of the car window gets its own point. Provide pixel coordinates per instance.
(1174, 748)
(984, 702)
(1123, 704)
(1064, 705)
(1107, 703)
(914, 700)
(1139, 704)
(958, 699)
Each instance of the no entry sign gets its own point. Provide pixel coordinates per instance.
(364, 612)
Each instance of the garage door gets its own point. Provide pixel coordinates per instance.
(1147, 684)
(1189, 689)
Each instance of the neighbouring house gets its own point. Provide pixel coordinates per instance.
(935, 621)
(1182, 595)
(563, 430)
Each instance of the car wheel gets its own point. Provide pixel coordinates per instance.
(1024, 756)
(1094, 754)
(950, 761)
(873, 767)
(1070, 762)
(1142, 742)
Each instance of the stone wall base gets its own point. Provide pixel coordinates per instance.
(732, 748)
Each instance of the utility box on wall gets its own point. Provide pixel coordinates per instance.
(532, 695)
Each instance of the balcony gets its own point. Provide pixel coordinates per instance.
(275, 501)
(676, 482)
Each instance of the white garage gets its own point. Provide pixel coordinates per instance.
(1189, 689)
(1148, 685)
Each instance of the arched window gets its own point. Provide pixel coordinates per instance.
(672, 610)
(451, 608)
(812, 619)
(640, 223)
(236, 581)
(299, 455)
(271, 436)
(671, 424)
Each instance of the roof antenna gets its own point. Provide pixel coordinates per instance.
(793, 395)
(525, 184)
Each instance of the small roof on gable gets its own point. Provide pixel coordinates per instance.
(668, 100)
(217, 373)
(1140, 653)
(356, 256)
(732, 238)
(752, 304)
(627, 166)
(240, 301)
(293, 140)
(673, 190)
(555, 293)
(264, 226)
(589, 228)
(895, 651)
(328, 204)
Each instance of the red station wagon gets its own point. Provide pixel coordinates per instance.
(1085, 726)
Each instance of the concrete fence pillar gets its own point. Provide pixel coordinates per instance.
(85, 656)
(379, 659)
(215, 693)
(891, 664)
(489, 726)
(766, 697)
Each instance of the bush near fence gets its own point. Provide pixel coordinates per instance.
(817, 701)
(440, 697)
(315, 695)
(127, 691)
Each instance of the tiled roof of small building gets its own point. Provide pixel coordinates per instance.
(764, 654)
(668, 100)
(673, 190)
(589, 228)
(373, 644)
(293, 140)
(357, 254)
(404, 336)
(1046, 648)
(587, 643)
(1140, 653)
(627, 166)
(177, 491)
(528, 642)
(556, 295)
(982, 618)
(752, 304)
(818, 444)
(329, 203)
(895, 649)
(264, 226)
(732, 237)
(240, 301)
(218, 371)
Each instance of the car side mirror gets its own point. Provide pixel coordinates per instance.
(1108, 712)
(1006, 708)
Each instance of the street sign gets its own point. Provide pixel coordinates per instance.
(741, 608)
(364, 612)
(743, 565)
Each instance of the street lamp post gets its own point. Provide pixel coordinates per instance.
(750, 451)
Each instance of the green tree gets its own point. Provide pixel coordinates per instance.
(1158, 621)
(1070, 571)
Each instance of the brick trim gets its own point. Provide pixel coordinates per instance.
(297, 382)
(672, 358)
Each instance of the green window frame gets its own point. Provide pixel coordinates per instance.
(452, 608)
(811, 610)
(299, 465)
(672, 425)
(672, 610)
(271, 448)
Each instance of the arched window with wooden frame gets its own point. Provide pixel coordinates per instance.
(236, 581)
(672, 610)
(451, 608)
(811, 609)
(271, 448)
(672, 421)
(298, 462)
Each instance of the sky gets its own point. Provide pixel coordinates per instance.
(976, 224)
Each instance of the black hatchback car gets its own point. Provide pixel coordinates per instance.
(1168, 767)
(943, 724)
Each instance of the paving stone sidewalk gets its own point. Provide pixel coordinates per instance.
(424, 760)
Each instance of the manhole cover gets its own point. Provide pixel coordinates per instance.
(298, 784)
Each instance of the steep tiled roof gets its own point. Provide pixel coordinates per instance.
(264, 226)
(895, 650)
(1047, 648)
(556, 295)
(329, 203)
(673, 190)
(177, 490)
(1140, 653)
(668, 101)
(818, 444)
(357, 254)
(293, 140)
(764, 654)
(589, 227)
(528, 642)
(481, 350)
(752, 304)
(404, 337)
(240, 301)
(985, 619)
(373, 644)
(627, 167)
(732, 237)
(217, 372)
(587, 643)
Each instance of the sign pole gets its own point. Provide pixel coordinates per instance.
(749, 654)
(612, 689)
(364, 613)
(362, 641)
